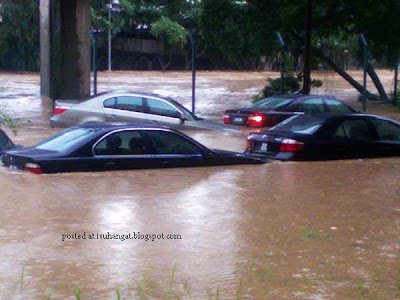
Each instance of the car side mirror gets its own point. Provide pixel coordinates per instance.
(182, 119)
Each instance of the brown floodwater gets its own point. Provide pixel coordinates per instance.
(304, 230)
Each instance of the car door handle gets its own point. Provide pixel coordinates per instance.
(112, 117)
(110, 163)
(165, 163)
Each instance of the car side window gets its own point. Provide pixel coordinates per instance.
(162, 108)
(110, 103)
(356, 130)
(337, 106)
(171, 143)
(309, 106)
(313, 106)
(387, 131)
(123, 143)
(128, 103)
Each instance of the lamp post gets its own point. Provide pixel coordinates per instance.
(113, 4)
(193, 44)
(92, 34)
(364, 45)
(282, 45)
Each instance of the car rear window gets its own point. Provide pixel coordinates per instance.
(272, 103)
(304, 124)
(65, 139)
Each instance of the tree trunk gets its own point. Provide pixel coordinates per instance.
(334, 66)
(307, 51)
(377, 82)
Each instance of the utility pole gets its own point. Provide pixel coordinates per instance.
(109, 35)
(282, 44)
(364, 45)
(307, 50)
(94, 59)
(112, 5)
(193, 44)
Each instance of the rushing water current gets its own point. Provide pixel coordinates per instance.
(307, 230)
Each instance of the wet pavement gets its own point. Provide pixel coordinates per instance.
(308, 230)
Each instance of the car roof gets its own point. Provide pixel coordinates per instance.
(336, 116)
(119, 92)
(300, 96)
(103, 125)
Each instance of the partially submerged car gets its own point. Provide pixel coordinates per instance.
(325, 137)
(270, 111)
(129, 107)
(100, 147)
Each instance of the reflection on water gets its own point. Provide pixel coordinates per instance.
(318, 230)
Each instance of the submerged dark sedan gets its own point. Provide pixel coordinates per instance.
(99, 147)
(324, 137)
(271, 111)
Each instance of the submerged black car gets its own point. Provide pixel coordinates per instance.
(271, 111)
(99, 147)
(325, 137)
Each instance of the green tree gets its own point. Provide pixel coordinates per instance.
(171, 34)
(19, 35)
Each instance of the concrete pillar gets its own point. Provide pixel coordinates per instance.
(65, 49)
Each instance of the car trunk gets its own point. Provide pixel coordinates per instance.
(269, 144)
(265, 144)
(19, 158)
(239, 116)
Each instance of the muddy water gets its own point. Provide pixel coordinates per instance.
(278, 231)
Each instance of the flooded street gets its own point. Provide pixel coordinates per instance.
(307, 230)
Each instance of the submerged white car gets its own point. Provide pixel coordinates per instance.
(129, 107)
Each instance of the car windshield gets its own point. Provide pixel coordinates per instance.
(304, 124)
(4, 141)
(65, 139)
(186, 112)
(272, 103)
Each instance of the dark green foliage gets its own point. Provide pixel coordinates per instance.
(237, 33)
(19, 35)
(291, 84)
(230, 33)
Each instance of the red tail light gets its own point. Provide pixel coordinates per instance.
(289, 145)
(33, 168)
(227, 119)
(256, 119)
(58, 110)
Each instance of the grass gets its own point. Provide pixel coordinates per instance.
(261, 273)
(21, 278)
(310, 233)
(397, 284)
(118, 293)
(77, 293)
(361, 291)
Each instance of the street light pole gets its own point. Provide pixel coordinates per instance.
(365, 66)
(282, 44)
(109, 35)
(193, 44)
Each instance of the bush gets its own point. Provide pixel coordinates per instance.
(291, 84)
